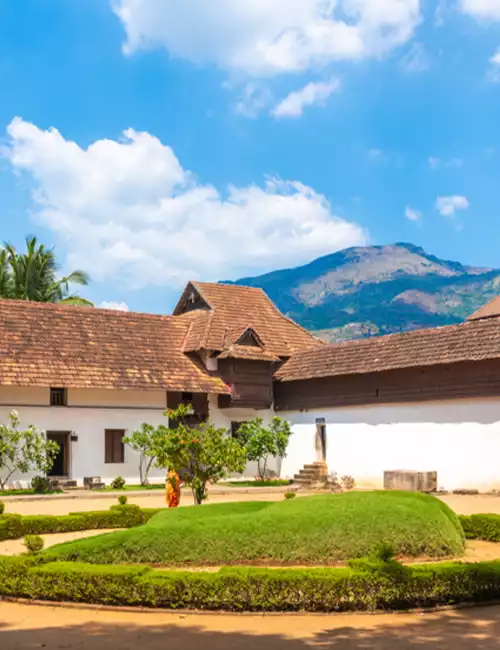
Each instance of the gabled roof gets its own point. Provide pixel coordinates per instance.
(470, 341)
(82, 347)
(230, 311)
(490, 310)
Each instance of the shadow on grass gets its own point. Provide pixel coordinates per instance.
(24, 627)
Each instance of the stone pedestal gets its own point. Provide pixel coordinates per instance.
(410, 481)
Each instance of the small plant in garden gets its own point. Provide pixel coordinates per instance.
(23, 451)
(122, 499)
(290, 495)
(41, 484)
(348, 483)
(34, 543)
(2, 507)
(261, 442)
(200, 455)
(385, 552)
(142, 441)
(118, 483)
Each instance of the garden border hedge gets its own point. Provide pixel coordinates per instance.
(14, 526)
(375, 587)
(485, 527)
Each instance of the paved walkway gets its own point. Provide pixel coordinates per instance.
(464, 505)
(24, 627)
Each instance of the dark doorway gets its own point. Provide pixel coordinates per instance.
(321, 441)
(60, 468)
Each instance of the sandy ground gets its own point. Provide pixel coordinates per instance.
(16, 546)
(27, 626)
(463, 505)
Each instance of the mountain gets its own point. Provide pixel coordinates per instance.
(371, 290)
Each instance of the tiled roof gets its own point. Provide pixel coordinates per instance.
(490, 310)
(81, 347)
(234, 309)
(469, 341)
(248, 352)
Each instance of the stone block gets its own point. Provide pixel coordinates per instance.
(410, 481)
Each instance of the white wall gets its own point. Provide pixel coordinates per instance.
(460, 439)
(125, 398)
(223, 418)
(87, 455)
(15, 395)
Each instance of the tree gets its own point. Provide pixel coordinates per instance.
(261, 442)
(23, 450)
(33, 276)
(200, 455)
(142, 441)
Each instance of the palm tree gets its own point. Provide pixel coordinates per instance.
(33, 276)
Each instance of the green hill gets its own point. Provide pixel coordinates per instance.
(370, 290)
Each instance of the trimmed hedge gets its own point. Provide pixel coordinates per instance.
(485, 527)
(374, 587)
(16, 526)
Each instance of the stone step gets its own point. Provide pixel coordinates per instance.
(307, 474)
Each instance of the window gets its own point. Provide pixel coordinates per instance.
(114, 449)
(187, 398)
(235, 427)
(58, 397)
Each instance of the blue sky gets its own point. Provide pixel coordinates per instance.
(152, 141)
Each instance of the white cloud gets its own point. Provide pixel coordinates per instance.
(127, 210)
(449, 205)
(416, 59)
(375, 154)
(482, 9)
(494, 71)
(267, 37)
(438, 163)
(315, 93)
(413, 215)
(253, 99)
(115, 306)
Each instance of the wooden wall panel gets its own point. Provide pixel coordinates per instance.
(251, 383)
(461, 380)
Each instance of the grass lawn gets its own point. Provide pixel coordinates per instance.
(316, 530)
(271, 483)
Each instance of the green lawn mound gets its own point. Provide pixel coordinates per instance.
(318, 530)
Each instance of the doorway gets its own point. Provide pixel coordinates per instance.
(60, 468)
(321, 440)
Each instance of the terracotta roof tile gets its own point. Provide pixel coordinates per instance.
(234, 309)
(469, 341)
(79, 347)
(252, 353)
(490, 310)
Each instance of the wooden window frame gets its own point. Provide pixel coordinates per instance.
(58, 396)
(114, 447)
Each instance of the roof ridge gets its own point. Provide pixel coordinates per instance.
(55, 306)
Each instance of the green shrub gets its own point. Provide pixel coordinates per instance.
(118, 483)
(16, 526)
(486, 527)
(2, 507)
(384, 552)
(343, 526)
(122, 499)
(34, 543)
(41, 484)
(252, 589)
(290, 495)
